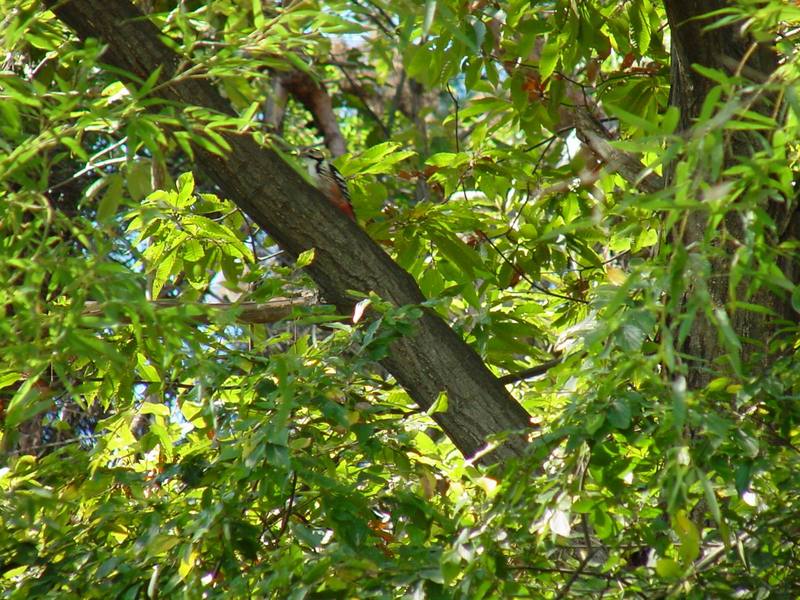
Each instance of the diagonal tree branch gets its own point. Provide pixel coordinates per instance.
(592, 133)
(249, 312)
(313, 95)
(431, 360)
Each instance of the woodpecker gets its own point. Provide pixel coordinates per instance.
(328, 180)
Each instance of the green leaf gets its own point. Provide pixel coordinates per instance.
(138, 180)
(192, 250)
(717, 75)
(227, 241)
(185, 198)
(670, 120)
(619, 415)
(305, 258)
(24, 404)
(151, 81)
(796, 298)
(459, 253)
(729, 338)
(162, 271)
(666, 568)
(187, 562)
(625, 116)
(549, 57)
(147, 370)
(258, 13)
(689, 537)
(448, 159)
(164, 440)
(439, 405)
(87, 343)
(639, 14)
(150, 408)
(109, 203)
(594, 423)
(602, 523)
(711, 497)
(378, 159)
(9, 377)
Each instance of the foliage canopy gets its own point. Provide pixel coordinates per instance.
(561, 196)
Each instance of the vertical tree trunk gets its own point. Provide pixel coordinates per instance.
(727, 49)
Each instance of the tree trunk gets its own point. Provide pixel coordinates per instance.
(431, 360)
(726, 49)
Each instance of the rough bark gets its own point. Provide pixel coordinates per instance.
(720, 48)
(728, 49)
(434, 358)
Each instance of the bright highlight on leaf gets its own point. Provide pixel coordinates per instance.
(305, 258)
(359, 309)
(439, 405)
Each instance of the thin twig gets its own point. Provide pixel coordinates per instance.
(382, 12)
(375, 19)
(356, 91)
(524, 276)
(578, 572)
(86, 169)
(288, 512)
(52, 444)
(166, 383)
(536, 167)
(455, 104)
(540, 369)
(505, 259)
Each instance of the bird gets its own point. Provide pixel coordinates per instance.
(328, 180)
